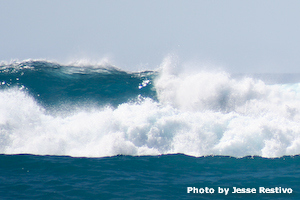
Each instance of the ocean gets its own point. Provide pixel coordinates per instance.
(94, 131)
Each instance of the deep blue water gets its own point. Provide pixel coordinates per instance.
(99, 132)
(144, 177)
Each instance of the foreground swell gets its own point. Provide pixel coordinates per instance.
(144, 177)
(199, 114)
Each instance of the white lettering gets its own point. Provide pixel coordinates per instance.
(222, 190)
(275, 190)
(243, 190)
(200, 190)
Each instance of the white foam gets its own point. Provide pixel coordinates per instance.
(199, 114)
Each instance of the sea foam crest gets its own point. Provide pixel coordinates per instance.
(200, 113)
(217, 91)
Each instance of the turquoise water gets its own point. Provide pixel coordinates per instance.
(99, 132)
(50, 83)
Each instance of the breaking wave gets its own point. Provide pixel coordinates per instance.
(51, 109)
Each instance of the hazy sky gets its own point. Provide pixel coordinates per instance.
(242, 36)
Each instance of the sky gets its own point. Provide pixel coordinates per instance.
(251, 36)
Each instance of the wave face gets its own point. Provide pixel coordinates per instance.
(95, 111)
(52, 84)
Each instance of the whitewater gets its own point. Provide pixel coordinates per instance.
(99, 111)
